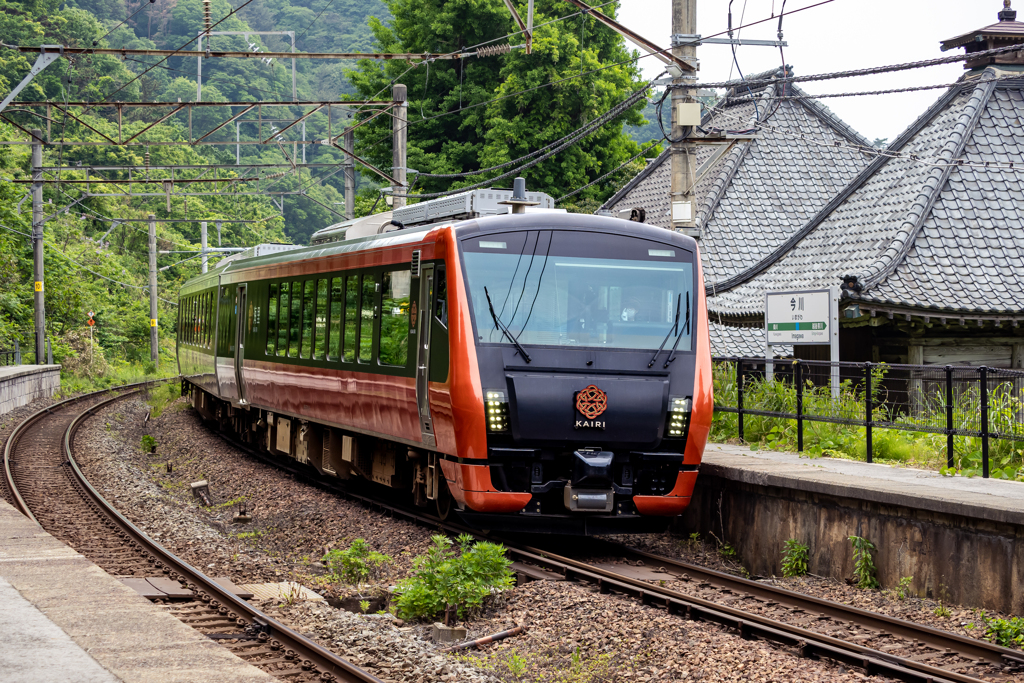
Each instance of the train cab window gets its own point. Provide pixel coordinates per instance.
(549, 288)
(272, 320)
(282, 320)
(335, 322)
(394, 318)
(308, 310)
(351, 317)
(320, 324)
(367, 314)
(441, 301)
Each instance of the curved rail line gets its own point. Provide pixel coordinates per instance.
(76, 513)
(918, 644)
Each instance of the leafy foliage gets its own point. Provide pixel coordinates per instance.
(1005, 632)
(863, 564)
(794, 558)
(148, 443)
(447, 575)
(357, 563)
(902, 590)
(473, 113)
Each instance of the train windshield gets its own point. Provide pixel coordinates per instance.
(575, 288)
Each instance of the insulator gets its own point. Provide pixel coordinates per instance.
(206, 17)
(494, 50)
(146, 158)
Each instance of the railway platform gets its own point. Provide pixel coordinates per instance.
(961, 539)
(995, 500)
(65, 619)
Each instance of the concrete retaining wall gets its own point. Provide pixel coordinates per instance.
(952, 553)
(22, 384)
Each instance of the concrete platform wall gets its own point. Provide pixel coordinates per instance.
(960, 558)
(22, 384)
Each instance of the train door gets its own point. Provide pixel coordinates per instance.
(423, 325)
(244, 323)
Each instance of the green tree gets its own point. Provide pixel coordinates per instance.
(472, 113)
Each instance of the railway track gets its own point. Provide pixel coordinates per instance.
(43, 480)
(876, 643)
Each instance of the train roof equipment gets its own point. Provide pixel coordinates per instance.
(492, 201)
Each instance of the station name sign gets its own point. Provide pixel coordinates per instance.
(799, 317)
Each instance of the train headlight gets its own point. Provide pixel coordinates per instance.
(496, 409)
(678, 418)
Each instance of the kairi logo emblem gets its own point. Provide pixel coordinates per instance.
(591, 402)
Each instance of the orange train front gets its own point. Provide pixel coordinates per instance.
(539, 371)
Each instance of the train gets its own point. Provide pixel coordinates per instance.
(485, 354)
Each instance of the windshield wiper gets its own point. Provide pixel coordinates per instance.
(504, 330)
(674, 328)
(672, 356)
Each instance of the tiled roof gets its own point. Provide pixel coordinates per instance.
(742, 342)
(942, 237)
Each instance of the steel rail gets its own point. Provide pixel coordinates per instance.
(16, 434)
(943, 640)
(310, 653)
(751, 626)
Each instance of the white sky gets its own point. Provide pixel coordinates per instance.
(841, 35)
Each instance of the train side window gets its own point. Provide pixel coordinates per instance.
(351, 317)
(308, 311)
(394, 318)
(441, 301)
(195, 320)
(282, 319)
(320, 324)
(186, 320)
(272, 320)
(205, 304)
(295, 321)
(337, 306)
(367, 314)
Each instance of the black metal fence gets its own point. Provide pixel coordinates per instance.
(984, 405)
(11, 357)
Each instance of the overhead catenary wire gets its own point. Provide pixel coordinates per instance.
(569, 140)
(631, 60)
(870, 71)
(874, 151)
(627, 162)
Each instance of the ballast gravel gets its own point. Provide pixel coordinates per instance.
(574, 634)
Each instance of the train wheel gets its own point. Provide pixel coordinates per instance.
(444, 500)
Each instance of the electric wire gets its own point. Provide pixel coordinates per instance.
(120, 24)
(627, 162)
(412, 123)
(569, 140)
(874, 151)
(106, 98)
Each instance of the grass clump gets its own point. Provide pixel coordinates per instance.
(863, 564)
(453, 574)
(794, 558)
(357, 563)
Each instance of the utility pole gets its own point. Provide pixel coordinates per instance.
(154, 354)
(400, 137)
(204, 257)
(685, 113)
(37, 243)
(350, 175)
